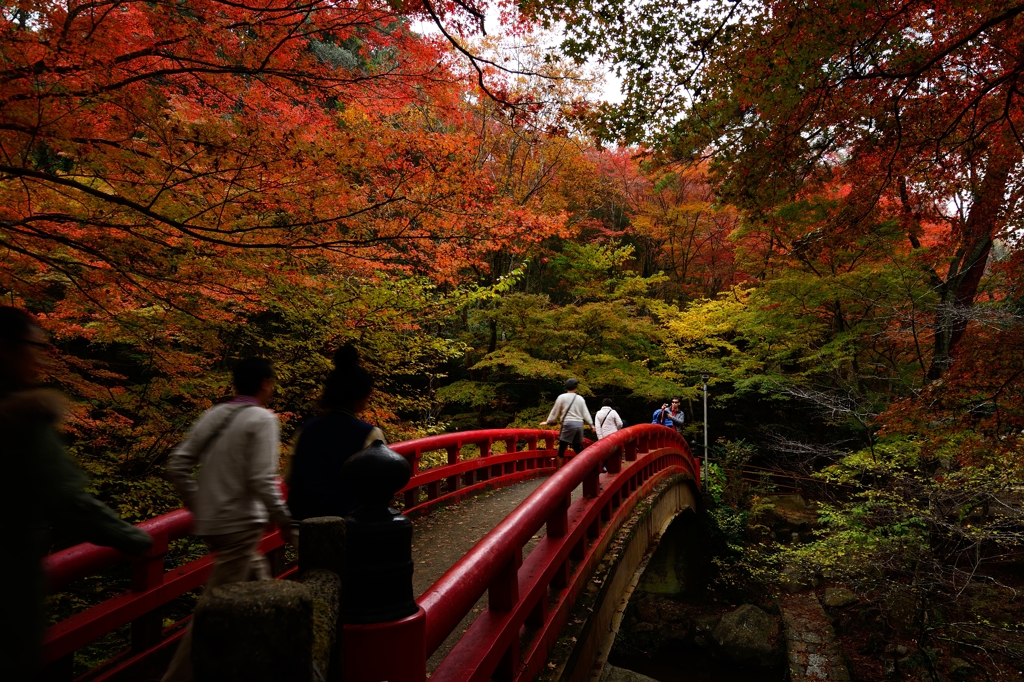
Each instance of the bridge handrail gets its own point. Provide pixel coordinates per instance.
(68, 565)
(152, 585)
(449, 599)
(415, 448)
(79, 561)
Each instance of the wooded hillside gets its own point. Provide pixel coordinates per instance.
(818, 204)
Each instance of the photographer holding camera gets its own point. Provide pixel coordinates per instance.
(670, 415)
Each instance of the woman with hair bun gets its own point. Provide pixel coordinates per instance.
(316, 487)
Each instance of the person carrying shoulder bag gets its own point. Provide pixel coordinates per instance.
(570, 409)
(607, 420)
(236, 491)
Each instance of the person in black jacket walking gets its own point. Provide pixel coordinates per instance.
(316, 486)
(46, 490)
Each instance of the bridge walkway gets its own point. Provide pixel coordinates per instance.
(497, 576)
(441, 538)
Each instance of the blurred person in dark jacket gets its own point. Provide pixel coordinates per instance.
(316, 487)
(45, 490)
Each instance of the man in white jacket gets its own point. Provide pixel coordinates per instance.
(236, 491)
(571, 409)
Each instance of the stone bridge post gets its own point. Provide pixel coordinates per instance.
(385, 630)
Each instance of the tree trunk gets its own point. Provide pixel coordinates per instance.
(958, 291)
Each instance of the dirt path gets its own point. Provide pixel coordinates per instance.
(443, 537)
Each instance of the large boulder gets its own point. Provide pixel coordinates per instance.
(838, 597)
(613, 674)
(749, 636)
(794, 580)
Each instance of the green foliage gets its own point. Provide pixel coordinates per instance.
(744, 558)
(597, 326)
(596, 272)
(922, 537)
(744, 567)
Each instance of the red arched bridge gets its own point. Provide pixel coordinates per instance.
(529, 598)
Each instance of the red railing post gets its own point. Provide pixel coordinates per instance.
(558, 522)
(560, 580)
(503, 592)
(550, 445)
(631, 451)
(614, 463)
(453, 458)
(579, 550)
(147, 573)
(483, 473)
(395, 651)
(503, 595)
(510, 449)
(539, 613)
(591, 483)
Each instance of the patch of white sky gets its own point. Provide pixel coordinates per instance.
(609, 85)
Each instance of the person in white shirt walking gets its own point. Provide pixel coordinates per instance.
(607, 421)
(236, 491)
(571, 409)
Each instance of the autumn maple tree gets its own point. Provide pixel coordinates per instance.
(872, 154)
(913, 106)
(181, 184)
(143, 143)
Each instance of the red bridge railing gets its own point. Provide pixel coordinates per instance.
(497, 461)
(536, 591)
(534, 594)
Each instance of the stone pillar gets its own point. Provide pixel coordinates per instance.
(321, 565)
(254, 632)
(322, 544)
(325, 591)
(378, 555)
(384, 636)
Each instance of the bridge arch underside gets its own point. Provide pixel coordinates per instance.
(583, 648)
